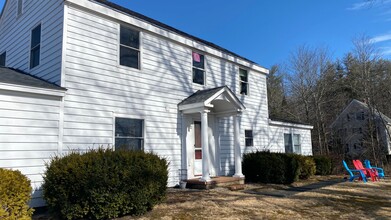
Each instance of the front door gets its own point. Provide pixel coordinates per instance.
(197, 149)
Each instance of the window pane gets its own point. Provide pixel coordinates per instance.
(35, 36)
(249, 142)
(2, 59)
(248, 133)
(198, 76)
(296, 139)
(243, 88)
(128, 143)
(125, 127)
(34, 57)
(129, 57)
(199, 64)
(20, 7)
(243, 75)
(130, 37)
(288, 143)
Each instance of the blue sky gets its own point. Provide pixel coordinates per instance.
(268, 31)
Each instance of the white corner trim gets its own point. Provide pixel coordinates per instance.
(121, 16)
(292, 125)
(30, 89)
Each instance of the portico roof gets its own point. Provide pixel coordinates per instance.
(221, 99)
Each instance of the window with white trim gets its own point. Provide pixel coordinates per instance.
(2, 58)
(129, 47)
(129, 134)
(198, 68)
(292, 143)
(35, 48)
(248, 136)
(243, 79)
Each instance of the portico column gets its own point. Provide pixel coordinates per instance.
(205, 147)
(237, 150)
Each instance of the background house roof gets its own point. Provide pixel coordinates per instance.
(18, 77)
(167, 27)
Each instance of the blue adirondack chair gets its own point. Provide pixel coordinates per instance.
(380, 171)
(360, 174)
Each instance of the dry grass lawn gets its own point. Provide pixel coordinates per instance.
(318, 198)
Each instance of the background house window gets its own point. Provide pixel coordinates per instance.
(129, 47)
(20, 7)
(198, 68)
(292, 143)
(35, 49)
(249, 138)
(243, 77)
(2, 58)
(129, 134)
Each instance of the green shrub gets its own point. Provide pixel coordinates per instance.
(267, 167)
(307, 167)
(104, 184)
(323, 165)
(15, 193)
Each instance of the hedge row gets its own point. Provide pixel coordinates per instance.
(103, 184)
(281, 168)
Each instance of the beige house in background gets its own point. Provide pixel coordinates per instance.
(351, 128)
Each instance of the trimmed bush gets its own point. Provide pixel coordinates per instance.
(15, 193)
(267, 167)
(104, 184)
(323, 165)
(307, 167)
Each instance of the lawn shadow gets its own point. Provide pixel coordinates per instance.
(292, 190)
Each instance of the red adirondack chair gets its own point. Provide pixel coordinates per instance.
(368, 172)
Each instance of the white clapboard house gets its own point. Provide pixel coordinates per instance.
(82, 74)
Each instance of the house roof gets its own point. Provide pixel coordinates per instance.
(203, 98)
(18, 77)
(355, 101)
(167, 27)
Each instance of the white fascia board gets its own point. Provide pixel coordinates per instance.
(34, 90)
(121, 16)
(292, 125)
(194, 106)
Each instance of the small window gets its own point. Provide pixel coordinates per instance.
(198, 68)
(360, 116)
(129, 47)
(348, 117)
(129, 134)
(249, 138)
(243, 75)
(296, 143)
(292, 143)
(35, 49)
(288, 143)
(20, 7)
(2, 58)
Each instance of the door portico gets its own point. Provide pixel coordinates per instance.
(207, 106)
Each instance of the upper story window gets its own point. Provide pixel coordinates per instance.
(360, 115)
(249, 138)
(35, 49)
(243, 79)
(129, 134)
(198, 68)
(129, 47)
(20, 8)
(2, 58)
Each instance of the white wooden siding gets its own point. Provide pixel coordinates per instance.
(15, 34)
(28, 135)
